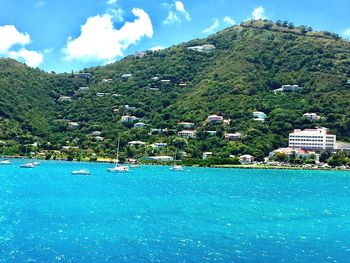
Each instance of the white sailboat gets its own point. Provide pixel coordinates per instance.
(81, 171)
(118, 168)
(5, 162)
(176, 167)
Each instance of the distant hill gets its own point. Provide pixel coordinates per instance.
(187, 82)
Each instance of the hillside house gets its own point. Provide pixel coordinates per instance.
(289, 88)
(83, 75)
(186, 134)
(128, 119)
(126, 76)
(136, 143)
(214, 119)
(160, 158)
(96, 133)
(139, 125)
(213, 133)
(206, 155)
(73, 125)
(311, 116)
(259, 116)
(65, 99)
(233, 136)
(159, 145)
(246, 159)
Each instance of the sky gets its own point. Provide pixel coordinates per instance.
(68, 35)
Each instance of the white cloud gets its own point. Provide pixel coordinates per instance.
(112, 2)
(100, 41)
(176, 13)
(31, 58)
(229, 21)
(10, 39)
(179, 6)
(156, 48)
(39, 3)
(171, 18)
(259, 13)
(347, 33)
(212, 28)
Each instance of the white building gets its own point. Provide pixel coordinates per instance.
(311, 116)
(233, 136)
(288, 88)
(96, 133)
(159, 145)
(73, 125)
(203, 48)
(128, 119)
(246, 159)
(161, 158)
(215, 119)
(64, 98)
(128, 107)
(206, 155)
(186, 125)
(187, 134)
(259, 116)
(213, 133)
(136, 143)
(126, 76)
(312, 139)
(139, 125)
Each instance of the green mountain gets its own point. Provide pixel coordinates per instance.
(180, 83)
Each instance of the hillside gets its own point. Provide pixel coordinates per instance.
(181, 84)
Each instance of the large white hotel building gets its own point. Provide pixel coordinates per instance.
(312, 139)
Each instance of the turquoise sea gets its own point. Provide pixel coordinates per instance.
(155, 215)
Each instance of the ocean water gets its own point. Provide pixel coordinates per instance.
(155, 215)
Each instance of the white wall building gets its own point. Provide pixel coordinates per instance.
(233, 136)
(246, 159)
(215, 119)
(311, 116)
(128, 118)
(187, 134)
(206, 155)
(312, 139)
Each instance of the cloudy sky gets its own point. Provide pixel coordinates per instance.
(70, 35)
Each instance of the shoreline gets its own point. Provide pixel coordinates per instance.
(227, 166)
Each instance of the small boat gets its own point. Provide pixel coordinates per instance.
(118, 168)
(36, 163)
(27, 165)
(81, 172)
(176, 168)
(134, 166)
(5, 162)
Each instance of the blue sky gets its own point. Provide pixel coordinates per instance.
(70, 35)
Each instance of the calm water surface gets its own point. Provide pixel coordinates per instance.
(155, 215)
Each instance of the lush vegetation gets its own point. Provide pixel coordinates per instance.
(237, 78)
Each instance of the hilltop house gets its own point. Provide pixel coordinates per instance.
(203, 48)
(83, 75)
(187, 134)
(215, 119)
(317, 139)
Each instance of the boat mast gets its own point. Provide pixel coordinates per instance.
(117, 161)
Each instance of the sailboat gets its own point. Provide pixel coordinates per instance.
(176, 167)
(118, 168)
(4, 161)
(81, 171)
